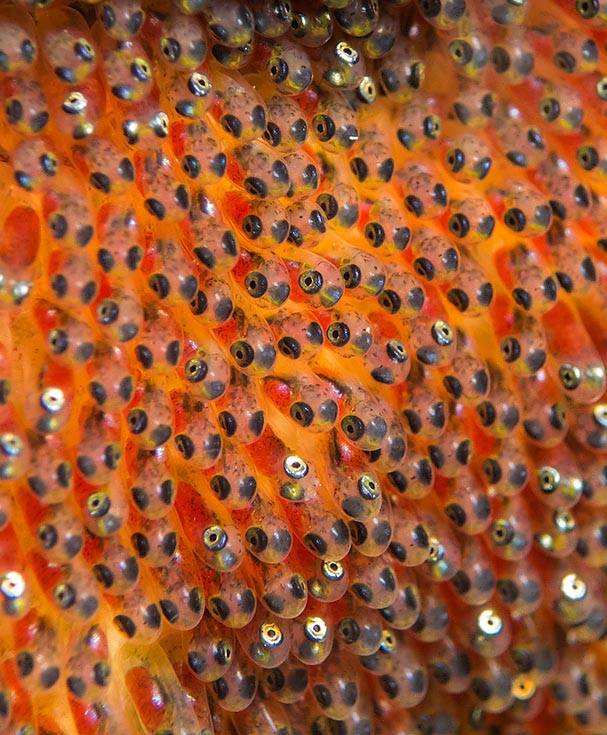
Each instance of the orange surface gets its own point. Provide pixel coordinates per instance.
(303, 427)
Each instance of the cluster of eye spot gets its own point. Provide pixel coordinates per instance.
(303, 426)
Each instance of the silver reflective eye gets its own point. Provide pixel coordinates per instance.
(170, 48)
(548, 479)
(21, 291)
(599, 413)
(489, 622)
(277, 69)
(52, 400)
(131, 129)
(332, 570)
(300, 25)
(74, 103)
(346, 53)
(292, 491)
(83, 130)
(64, 595)
(84, 50)
(11, 444)
(502, 532)
(367, 90)
(601, 88)
(295, 467)
(368, 487)
(315, 629)
(160, 124)
(436, 550)
(388, 642)
(570, 376)
(270, 634)
(214, 538)
(196, 369)
(563, 520)
(12, 585)
(140, 70)
(442, 333)
(572, 587)
(396, 351)
(199, 84)
(98, 504)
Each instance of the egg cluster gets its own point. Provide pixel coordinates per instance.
(303, 426)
